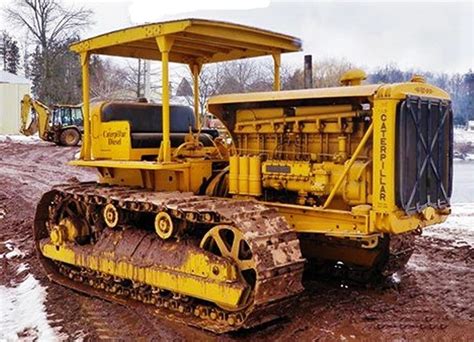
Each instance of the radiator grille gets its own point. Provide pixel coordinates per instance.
(424, 154)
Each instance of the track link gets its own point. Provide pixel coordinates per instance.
(279, 264)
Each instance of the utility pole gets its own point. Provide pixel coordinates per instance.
(146, 80)
(139, 78)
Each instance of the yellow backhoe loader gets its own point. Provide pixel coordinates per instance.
(183, 226)
(62, 124)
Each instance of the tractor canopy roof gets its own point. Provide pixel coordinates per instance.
(195, 41)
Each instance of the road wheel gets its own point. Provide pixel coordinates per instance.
(70, 137)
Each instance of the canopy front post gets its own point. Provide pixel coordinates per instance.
(86, 143)
(276, 72)
(164, 44)
(196, 70)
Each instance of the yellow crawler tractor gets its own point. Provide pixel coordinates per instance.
(218, 236)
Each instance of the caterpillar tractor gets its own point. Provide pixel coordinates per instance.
(61, 124)
(183, 226)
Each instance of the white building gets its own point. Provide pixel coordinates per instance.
(12, 90)
(470, 125)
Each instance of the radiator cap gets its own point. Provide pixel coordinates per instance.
(353, 77)
(418, 78)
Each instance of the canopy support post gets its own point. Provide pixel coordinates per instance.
(196, 70)
(164, 44)
(276, 72)
(86, 142)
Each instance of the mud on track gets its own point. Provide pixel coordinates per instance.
(433, 300)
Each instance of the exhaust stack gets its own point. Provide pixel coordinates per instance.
(308, 71)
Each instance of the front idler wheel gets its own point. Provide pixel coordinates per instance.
(229, 242)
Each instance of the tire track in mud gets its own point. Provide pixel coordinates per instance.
(35, 168)
(113, 322)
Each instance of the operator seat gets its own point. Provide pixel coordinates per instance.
(146, 126)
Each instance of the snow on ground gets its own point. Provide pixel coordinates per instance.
(13, 251)
(463, 136)
(23, 315)
(18, 138)
(458, 227)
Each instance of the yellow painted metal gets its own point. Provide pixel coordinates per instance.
(164, 226)
(276, 71)
(349, 164)
(165, 43)
(219, 41)
(353, 77)
(86, 141)
(111, 215)
(199, 276)
(231, 250)
(68, 229)
(305, 219)
(184, 176)
(317, 179)
(402, 90)
(196, 70)
(129, 164)
(57, 235)
(234, 174)
(313, 145)
(306, 143)
(384, 160)
(262, 115)
(107, 145)
(42, 120)
(396, 90)
(386, 216)
(397, 222)
(215, 102)
(244, 175)
(255, 176)
(37, 124)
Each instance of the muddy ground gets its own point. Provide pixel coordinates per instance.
(432, 301)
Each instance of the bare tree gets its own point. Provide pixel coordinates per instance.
(53, 27)
(211, 79)
(328, 72)
(107, 79)
(48, 20)
(135, 77)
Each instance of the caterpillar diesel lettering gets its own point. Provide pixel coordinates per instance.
(218, 236)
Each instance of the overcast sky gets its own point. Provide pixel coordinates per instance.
(423, 35)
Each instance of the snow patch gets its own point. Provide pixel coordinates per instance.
(463, 136)
(18, 138)
(22, 268)
(14, 252)
(458, 227)
(23, 315)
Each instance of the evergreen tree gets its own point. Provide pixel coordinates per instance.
(469, 87)
(9, 53)
(13, 58)
(59, 80)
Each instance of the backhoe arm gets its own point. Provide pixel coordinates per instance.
(30, 124)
